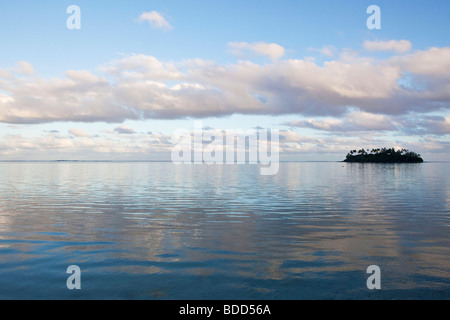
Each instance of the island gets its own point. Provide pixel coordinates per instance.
(383, 155)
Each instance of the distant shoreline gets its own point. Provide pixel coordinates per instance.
(168, 161)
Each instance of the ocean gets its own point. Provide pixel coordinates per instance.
(160, 231)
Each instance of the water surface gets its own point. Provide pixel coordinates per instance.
(161, 231)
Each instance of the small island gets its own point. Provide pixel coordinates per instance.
(383, 155)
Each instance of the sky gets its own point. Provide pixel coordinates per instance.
(136, 71)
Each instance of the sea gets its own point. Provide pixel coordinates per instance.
(161, 231)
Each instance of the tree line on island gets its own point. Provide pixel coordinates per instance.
(383, 155)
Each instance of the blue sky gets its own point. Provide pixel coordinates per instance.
(280, 52)
(35, 31)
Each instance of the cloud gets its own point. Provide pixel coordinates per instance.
(79, 133)
(352, 122)
(426, 125)
(4, 74)
(432, 63)
(21, 68)
(142, 146)
(24, 67)
(50, 146)
(397, 46)
(139, 87)
(83, 76)
(142, 67)
(357, 122)
(328, 51)
(124, 130)
(156, 20)
(271, 50)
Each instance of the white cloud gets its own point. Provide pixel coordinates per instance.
(433, 62)
(328, 51)
(5, 99)
(156, 20)
(24, 67)
(397, 46)
(352, 122)
(79, 133)
(141, 67)
(141, 146)
(4, 74)
(271, 50)
(143, 87)
(83, 76)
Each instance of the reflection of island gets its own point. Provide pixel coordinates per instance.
(383, 155)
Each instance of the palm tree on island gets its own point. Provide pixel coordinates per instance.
(384, 155)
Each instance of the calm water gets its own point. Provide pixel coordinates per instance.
(160, 231)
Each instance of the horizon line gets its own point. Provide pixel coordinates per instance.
(165, 161)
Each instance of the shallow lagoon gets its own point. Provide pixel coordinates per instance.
(161, 231)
